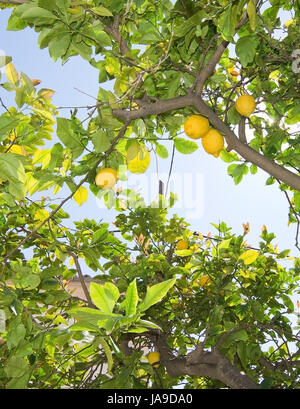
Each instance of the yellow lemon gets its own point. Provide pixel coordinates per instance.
(140, 163)
(204, 280)
(245, 105)
(213, 142)
(182, 245)
(154, 358)
(196, 126)
(106, 178)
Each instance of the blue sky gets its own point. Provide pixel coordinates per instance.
(218, 198)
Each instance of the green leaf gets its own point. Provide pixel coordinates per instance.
(228, 23)
(183, 28)
(146, 33)
(139, 128)
(131, 298)
(184, 146)
(42, 156)
(30, 281)
(162, 151)
(155, 294)
(224, 244)
(59, 46)
(68, 137)
(15, 23)
(236, 336)
(258, 310)
(108, 354)
(293, 116)
(101, 141)
(91, 315)
(242, 353)
(237, 172)
(297, 201)
(84, 326)
(4, 60)
(113, 289)
(13, 171)
(251, 11)
(253, 169)
(100, 235)
(16, 367)
(15, 335)
(102, 11)
(249, 256)
(102, 297)
(38, 16)
(233, 116)
(246, 49)
(228, 156)
(7, 124)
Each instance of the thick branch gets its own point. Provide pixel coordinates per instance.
(155, 108)
(204, 364)
(14, 2)
(114, 31)
(244, 150)
(210, 66)
(81, 278)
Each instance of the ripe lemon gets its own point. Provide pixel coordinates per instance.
(106, 178)
(182, 245)
(196, 126)
(245, 105)
(204, 280)
(213, 142)
(140, 163)
(154, 358)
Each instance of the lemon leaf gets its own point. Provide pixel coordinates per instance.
(249, 256)
(12, 74)
(81, 195)
(140, 163)
(251, 11)
(184, 146)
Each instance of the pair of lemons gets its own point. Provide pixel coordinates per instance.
(138, 160)
(197, 126)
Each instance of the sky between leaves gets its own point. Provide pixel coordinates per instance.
(199, 178)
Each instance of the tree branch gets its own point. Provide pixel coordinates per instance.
(241, 148)
(204, 364)
(81, 279)
(245, 151)
(155, 108)
(14, 2)
(204, 74)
